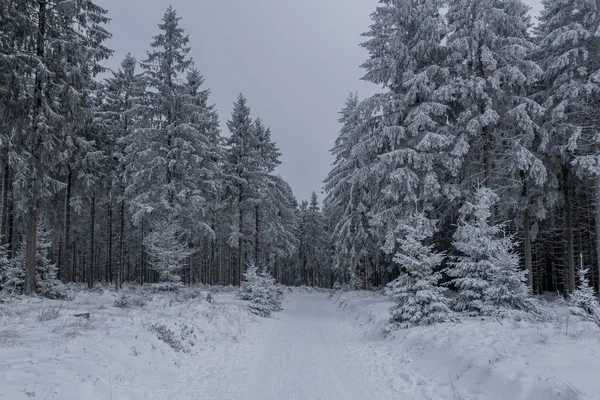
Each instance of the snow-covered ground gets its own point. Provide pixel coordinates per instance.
(180, 346)
(479, 358)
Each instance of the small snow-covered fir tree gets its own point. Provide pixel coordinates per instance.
(12, 272)
(259, 288)
(168, 252)
(487, 273)
(47, 283)
(508, 289)
(582, 301)
(11, 275)
(420, 301)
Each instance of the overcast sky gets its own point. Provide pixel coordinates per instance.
(295, 61)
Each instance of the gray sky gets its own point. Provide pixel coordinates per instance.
(295, 61)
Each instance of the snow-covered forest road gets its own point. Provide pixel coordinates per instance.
(321, 346)
(308, 351)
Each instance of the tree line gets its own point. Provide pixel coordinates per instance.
(124, 176)
(480, 112)
(481, 145)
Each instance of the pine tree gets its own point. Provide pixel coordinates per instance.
(571, 92)
(499, 141)
(348, 197)
(251, 157)
(260, 289)
(164, 146)
(61, 93)
(168, 252)
(487, 273)
(420, 300)
(123, 95)
(583, 301)
(238, 150)
(47, 284)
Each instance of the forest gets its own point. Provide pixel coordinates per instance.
(479, 153)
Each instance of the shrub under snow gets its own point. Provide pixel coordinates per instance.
(260, 289)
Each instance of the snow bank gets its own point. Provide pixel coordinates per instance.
(145, 350)
(484, 358)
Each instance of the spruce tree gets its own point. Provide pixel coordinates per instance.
(420, 301)
(487, 272)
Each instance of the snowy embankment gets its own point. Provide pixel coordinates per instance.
(148, 350)
(483, 358)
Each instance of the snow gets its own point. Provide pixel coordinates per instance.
(321, 346)
(483, 358)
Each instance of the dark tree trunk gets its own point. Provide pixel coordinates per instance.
(570, 276)
(30, 264)
(5, 197)
(119, 276)
(30, 261)
(64, 265)
(527, 249)
(241, 241)
(143, 253)
(11, 228)
(109, 265)
(257, 243)
(91, 265)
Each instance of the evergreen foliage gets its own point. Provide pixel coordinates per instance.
(420, 301)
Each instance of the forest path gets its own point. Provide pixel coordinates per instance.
(309, 355)
(308, 351)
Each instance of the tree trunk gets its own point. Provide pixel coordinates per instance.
(527, 234)
(241, 241)
(64, 265)
(5, 191)
(597, 216)
(31, 261)
(110, 243)
(191, 263)
(570, 287)
(527, 249)
(257, 236)
(119, 277)
(91, 266)
(143, 253)
(11, 227)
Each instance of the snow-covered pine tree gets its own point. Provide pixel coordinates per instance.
(46, 272)
(259, 288)
(571, 92)
(260, 182)
(404, 152)
(164, 147)
(486, 273)
(420, 301)
(313, 245)
(279, 227)
(11, 275)
(508, 289)
(47, 283)
(239, 148)
(169, 252)
(499, 141)
(348, 195)
(60, 91)
(123, 94)
(583, 301)
(250, 158)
